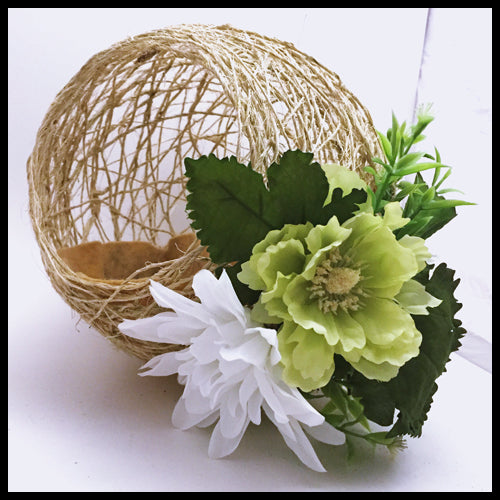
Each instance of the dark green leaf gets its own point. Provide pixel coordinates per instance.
(229, 205)
(297, 189)
(341, 206)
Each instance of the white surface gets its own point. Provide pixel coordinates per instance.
(80, 419)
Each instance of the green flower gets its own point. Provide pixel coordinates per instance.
(344, 289)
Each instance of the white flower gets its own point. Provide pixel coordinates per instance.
(230, 369)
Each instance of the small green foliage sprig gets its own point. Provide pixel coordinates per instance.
(425, 205)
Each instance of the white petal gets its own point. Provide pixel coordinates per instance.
(211, 419)
(299, 443)
(144, 328)
(184, 419)
(231, 298)
(180, 329)
(267, 333)
(233, 371)
(205, 347)
(254, 351)
(165, 297)
(247, 389)
(186, 369)
(254, 407)
(204, 377)
(162, 365)
(221, 446)
(231, 332)
(165, 327)
(271, 337)
(218, 296)
(296, 406)
(325, 433)
(195, 403)
(232, 401)
(265, 384)
(232, 421)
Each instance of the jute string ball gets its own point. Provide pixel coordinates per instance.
(106, 175)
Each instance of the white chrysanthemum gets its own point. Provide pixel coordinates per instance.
(230, 369)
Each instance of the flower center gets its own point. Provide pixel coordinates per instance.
(341, 280)
(336, 283)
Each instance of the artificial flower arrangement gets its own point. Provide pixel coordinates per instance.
(324, 312)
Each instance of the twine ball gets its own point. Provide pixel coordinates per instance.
(106, 175)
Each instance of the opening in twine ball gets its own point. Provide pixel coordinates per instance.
(106, 175)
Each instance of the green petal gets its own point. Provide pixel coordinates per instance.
(313, 260)
(417, 246)
(414, 299)
(383, 362)
(344, 178)
(306, 357)
(382, 320)
(287, 232)
(258, 271)
(386, 264)
(331, 234)
(249, 273)
(351, 333)
(382, 372)
(306, 312)
(286, 257)
(260, 314)
(393, 216)
(360, 225)
(390, 343)
(272, 300)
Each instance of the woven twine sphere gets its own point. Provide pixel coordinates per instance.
(108, 162)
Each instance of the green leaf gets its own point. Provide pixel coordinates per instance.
(407, 188)
(386, 166)
(371, 170)
(298, 189)
(420, 167)
(386, 146)
(395, 136)
(412, 390)
(416, 226)
(334, 392)
(407, 161)
(229, 205)
(438, 203)
(427, 215)
(343, 207)
(427, 221)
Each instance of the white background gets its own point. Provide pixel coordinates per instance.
(80, 419)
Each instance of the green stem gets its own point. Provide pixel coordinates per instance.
(355, 434)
